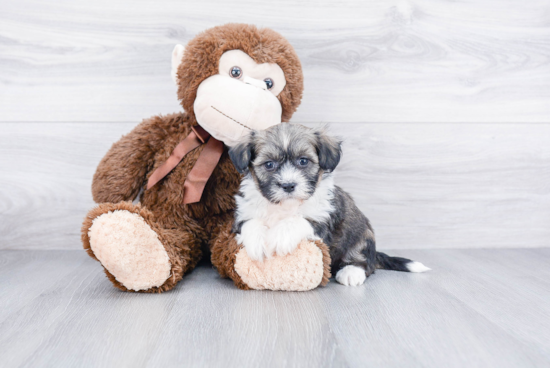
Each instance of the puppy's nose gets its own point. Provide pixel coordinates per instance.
(288, 187)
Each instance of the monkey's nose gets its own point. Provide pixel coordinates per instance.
(255, 82)
(288, 187)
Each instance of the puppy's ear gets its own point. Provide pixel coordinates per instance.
(329, 150)
(241, 154)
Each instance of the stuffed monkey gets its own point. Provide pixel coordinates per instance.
(231, 79)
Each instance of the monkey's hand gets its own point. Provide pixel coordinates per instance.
(307, 267)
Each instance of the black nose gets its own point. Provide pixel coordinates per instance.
(288, 187)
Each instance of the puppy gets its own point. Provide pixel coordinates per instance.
(288, 194)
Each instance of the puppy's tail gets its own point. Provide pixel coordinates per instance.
(385, 262)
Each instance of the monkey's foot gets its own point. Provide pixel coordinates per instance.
(127, 247)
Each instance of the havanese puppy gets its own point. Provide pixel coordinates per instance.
(288, 194)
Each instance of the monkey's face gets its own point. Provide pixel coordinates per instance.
(240, 98)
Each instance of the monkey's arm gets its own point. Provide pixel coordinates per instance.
(307, 267)
(121, 173)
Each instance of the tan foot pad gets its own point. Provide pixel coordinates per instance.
(299, 271)
(130, 250)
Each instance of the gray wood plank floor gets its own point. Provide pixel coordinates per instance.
(477, 308)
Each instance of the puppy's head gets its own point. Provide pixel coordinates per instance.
(287, 160)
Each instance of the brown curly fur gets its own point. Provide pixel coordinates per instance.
(326, 262)
(125, 169)
(224, 252)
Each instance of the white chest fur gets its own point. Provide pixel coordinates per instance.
(278, 228)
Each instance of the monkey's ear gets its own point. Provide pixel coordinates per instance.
(329, 150)
(241, 153)
(177, 56)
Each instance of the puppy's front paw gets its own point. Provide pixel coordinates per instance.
(351, 276)
(252, 236)
(286, 236)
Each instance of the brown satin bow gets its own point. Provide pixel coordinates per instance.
(201, 171)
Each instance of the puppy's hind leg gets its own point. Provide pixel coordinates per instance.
(358, 263)
(351, 275)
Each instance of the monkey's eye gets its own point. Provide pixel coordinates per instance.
(269, 83)
(270, 165)
(236, 72)
(303, 161)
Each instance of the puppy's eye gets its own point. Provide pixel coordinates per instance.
(303, 161)
(269, 165)
(269, 83)
(236, 72)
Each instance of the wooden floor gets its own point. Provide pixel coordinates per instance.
(477, 308)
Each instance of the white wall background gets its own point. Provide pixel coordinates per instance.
(444, 107)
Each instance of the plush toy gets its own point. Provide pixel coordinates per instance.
(231, 79)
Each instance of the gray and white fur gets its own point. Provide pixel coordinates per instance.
(288, 194)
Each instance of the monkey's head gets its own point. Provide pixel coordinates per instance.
(236, 78)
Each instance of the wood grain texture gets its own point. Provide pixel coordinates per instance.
(364, 61)
(421, 185)
(477, 308)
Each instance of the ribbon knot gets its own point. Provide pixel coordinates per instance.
(201, 171)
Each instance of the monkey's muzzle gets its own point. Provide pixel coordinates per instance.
(229, 108)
